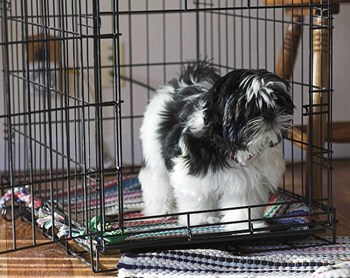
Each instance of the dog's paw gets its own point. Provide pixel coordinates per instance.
(157, 210)
(260, 225)
(243, 228)
(199, 219)
(237, 228)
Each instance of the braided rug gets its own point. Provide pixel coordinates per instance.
(308, 258)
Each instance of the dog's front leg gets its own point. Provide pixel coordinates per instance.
(192, 195)
(157, 192)
(239, 215)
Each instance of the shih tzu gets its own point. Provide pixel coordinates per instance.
(212, 142)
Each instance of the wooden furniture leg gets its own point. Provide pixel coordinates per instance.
(288, 53)
(285, 65)
(317, 122)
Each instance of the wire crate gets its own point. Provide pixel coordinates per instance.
(77, 76)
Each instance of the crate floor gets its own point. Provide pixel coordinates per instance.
(83, 210)
(280, 210)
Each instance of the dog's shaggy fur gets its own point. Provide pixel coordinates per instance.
(214, 142)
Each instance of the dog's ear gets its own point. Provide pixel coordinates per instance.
(213, 107)
(215, 101)
(220, 100)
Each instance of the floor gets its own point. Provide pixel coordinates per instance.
(45, 261)
(52, 261)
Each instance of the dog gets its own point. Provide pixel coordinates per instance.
(212, 142)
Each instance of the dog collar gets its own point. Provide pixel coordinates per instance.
(231, 155)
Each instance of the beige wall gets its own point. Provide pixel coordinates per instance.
(341, 73)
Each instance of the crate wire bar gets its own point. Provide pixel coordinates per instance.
(77, 75)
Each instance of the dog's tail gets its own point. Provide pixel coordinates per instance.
(198, 72)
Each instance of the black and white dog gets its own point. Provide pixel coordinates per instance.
(214, 142)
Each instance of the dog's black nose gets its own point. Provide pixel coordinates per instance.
(273, 144)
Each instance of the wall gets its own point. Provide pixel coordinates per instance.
(340, 56)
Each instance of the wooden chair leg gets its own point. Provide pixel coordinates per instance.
(317, 122)
(285, 65)
(288, 53)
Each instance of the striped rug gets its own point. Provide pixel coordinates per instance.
(308, 258)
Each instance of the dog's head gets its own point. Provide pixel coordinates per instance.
(251, 109)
